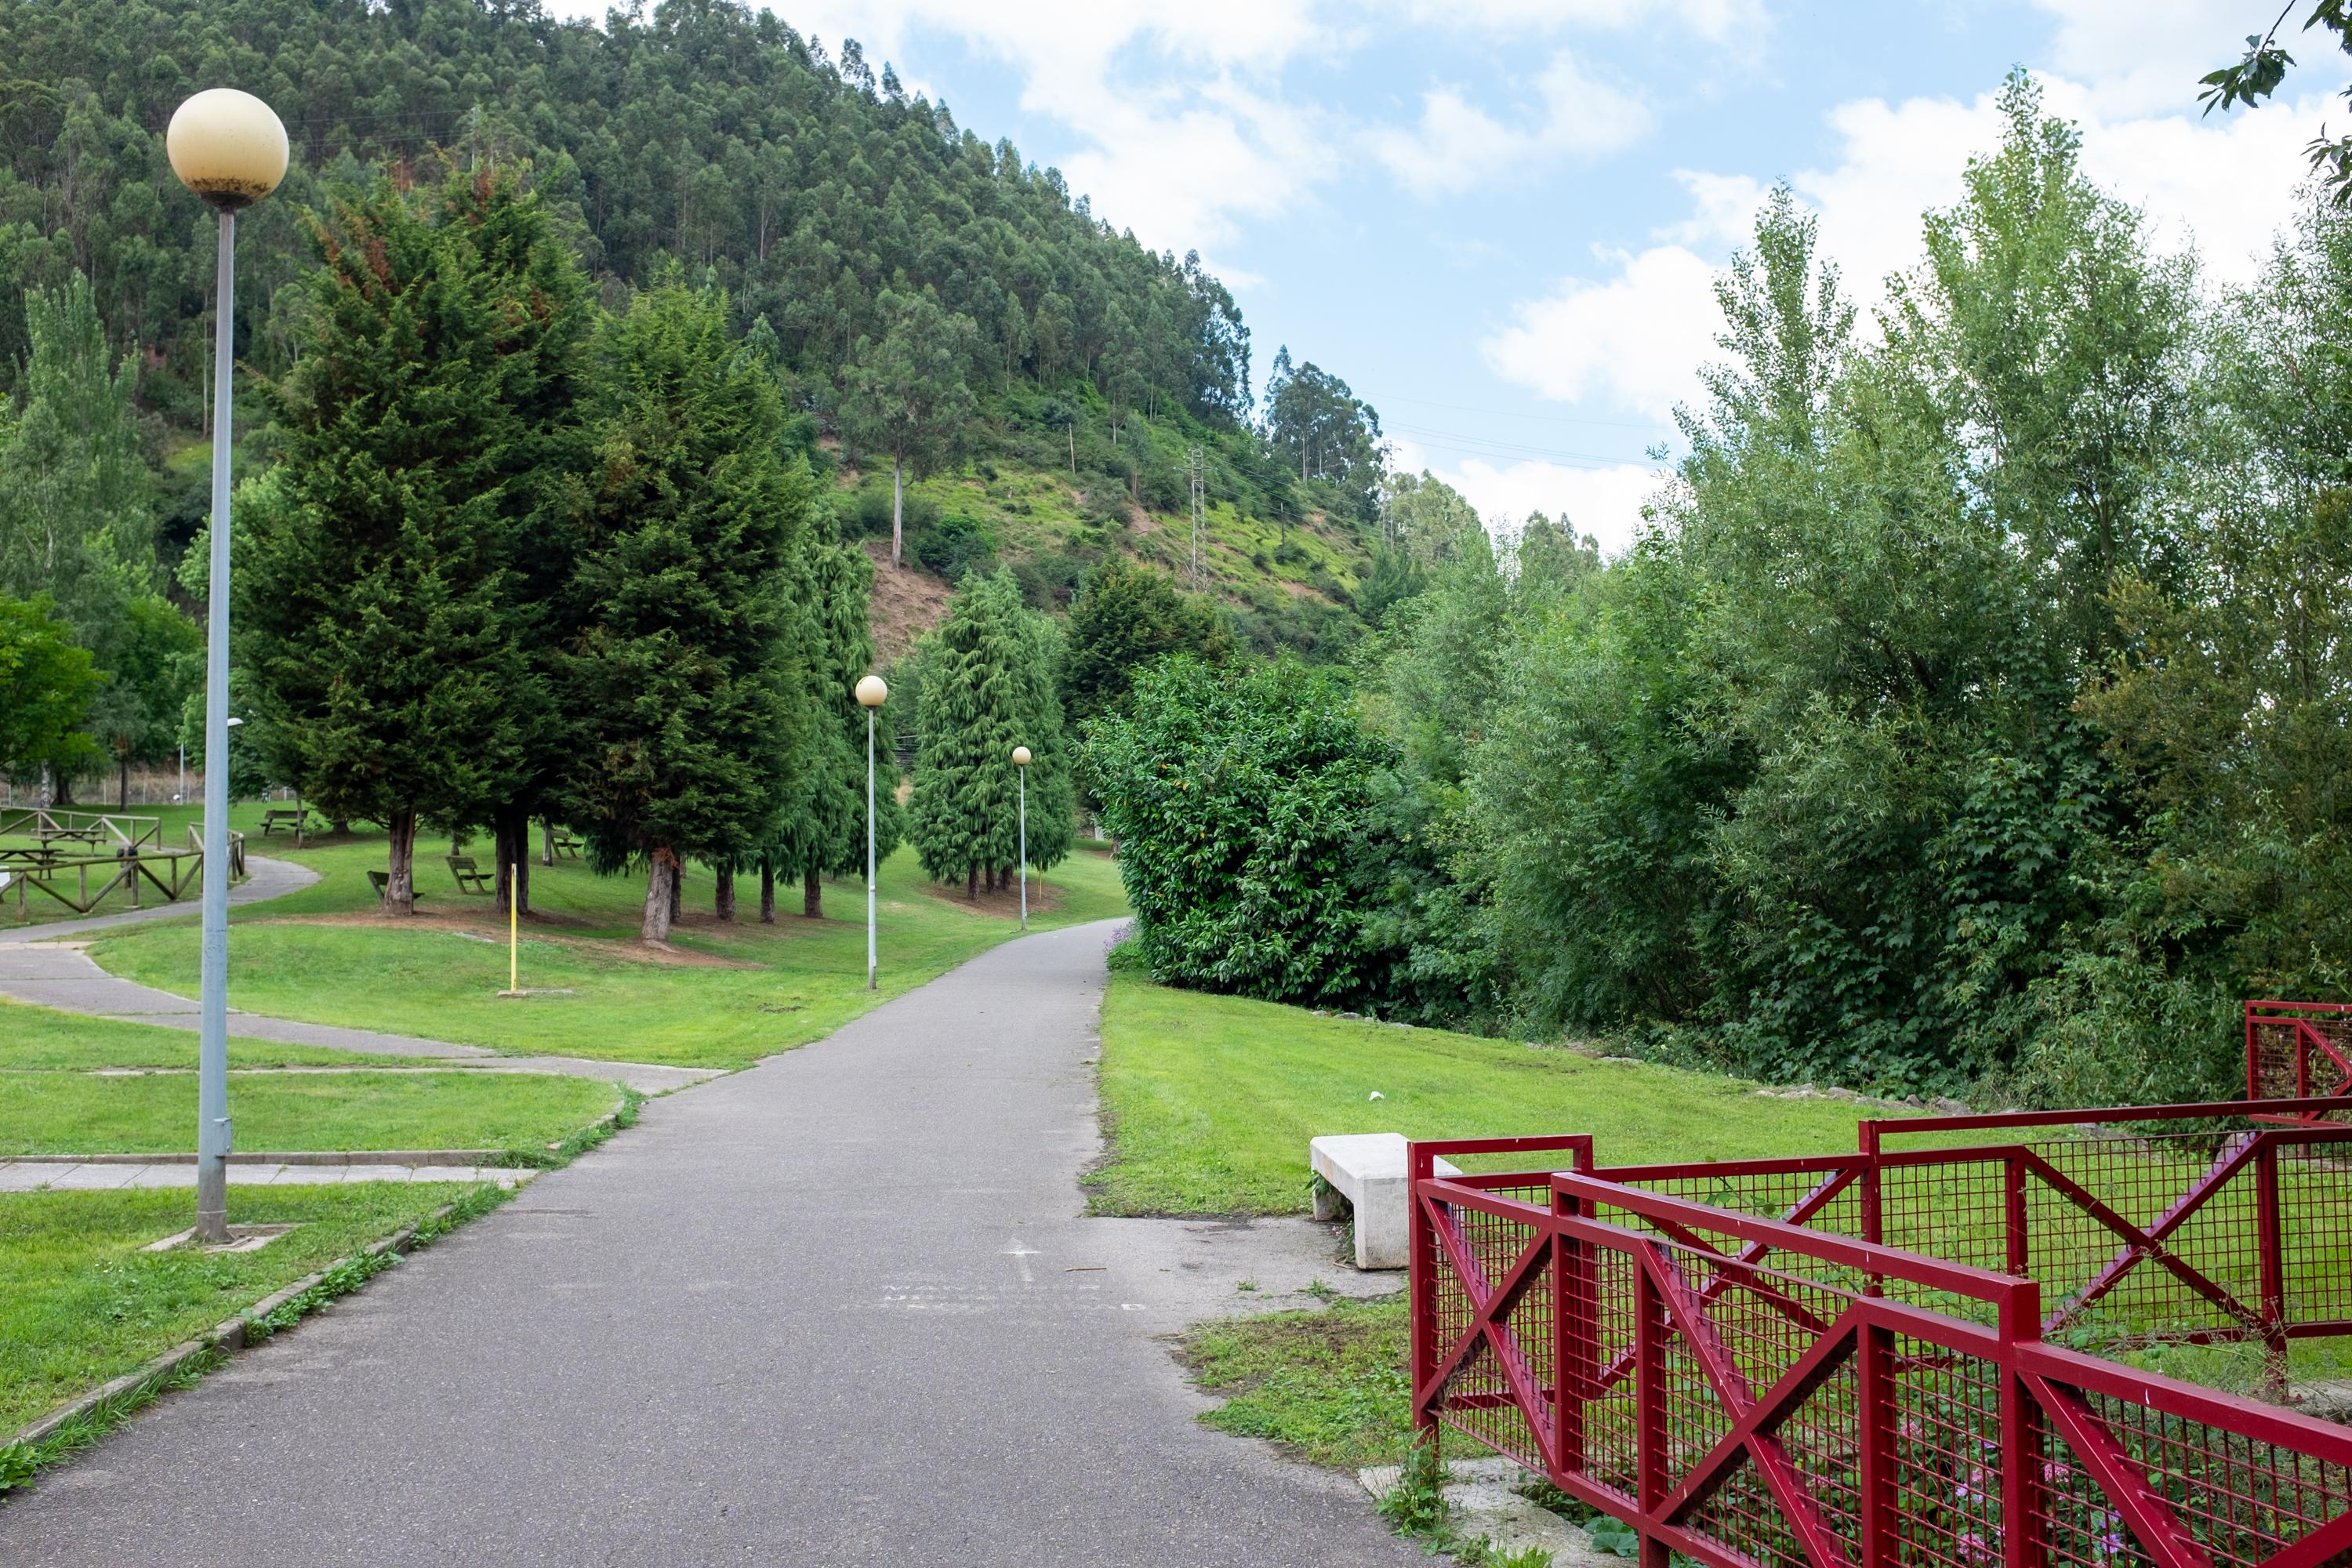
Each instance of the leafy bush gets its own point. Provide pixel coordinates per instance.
(952, 544)
(1245, 808)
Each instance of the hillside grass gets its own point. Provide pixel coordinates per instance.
(721, 996)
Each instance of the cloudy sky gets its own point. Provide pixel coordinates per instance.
(1498, 218)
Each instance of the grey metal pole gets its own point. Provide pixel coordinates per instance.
(213, 1130)
(1025, 848)
(870, 984)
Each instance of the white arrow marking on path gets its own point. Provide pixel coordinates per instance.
(1021, 1252)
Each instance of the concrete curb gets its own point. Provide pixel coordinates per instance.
(323, 1157)
(228, 1336)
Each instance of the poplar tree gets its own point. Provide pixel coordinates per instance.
(686, 670)
(375, 581)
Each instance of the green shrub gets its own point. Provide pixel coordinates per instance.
(1251, 841)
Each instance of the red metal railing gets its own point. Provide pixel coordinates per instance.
(1731, 1357)
(2298, 1050)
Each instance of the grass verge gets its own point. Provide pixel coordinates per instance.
(1210, 1100)
(81, 1303)
(21, 1461)
(83, 1113)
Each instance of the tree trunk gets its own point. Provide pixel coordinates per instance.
(723, 901)
(767, 893)
(400, 864)
(122, 782)
(547, 841)
(811, 896)
(897, 511)
(971, 884)
(661, 890)
(677, 889)
(510, 826)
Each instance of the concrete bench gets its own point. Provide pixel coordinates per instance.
(1368, 1170)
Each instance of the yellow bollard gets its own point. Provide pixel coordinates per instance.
(514, 950)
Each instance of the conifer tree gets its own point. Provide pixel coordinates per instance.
(376, 582)
(1053, 797)
(974, 697)
(687, 671)
(989, 677)
(823, 829)
(543, 320)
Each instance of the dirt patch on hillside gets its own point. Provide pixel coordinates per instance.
(906, 603)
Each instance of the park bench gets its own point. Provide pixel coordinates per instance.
(1368, 1170)
(380, 881)
(471, 878)
(566, 843)
(296, 819)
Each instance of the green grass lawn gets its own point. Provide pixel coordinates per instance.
(54, 1100)
(45, 1040)
(742, 991)
(82, 1113)
(81, 1303)
(1211, 1100)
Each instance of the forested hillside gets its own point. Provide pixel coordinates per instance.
(842, 218)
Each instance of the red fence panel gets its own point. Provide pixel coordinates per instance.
(1746, 1390)
(2298, 1051)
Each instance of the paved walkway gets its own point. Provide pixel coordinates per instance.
(839, 1309)
(31, 1176)
(35, 967)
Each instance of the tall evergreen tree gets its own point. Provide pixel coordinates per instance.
(376, 582)
(684, 672)
(1053, 797)
(542, 319)
(976, 702)
(824, 829)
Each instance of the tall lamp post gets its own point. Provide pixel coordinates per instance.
(1021, 764)
(228, 148)
(872, 691)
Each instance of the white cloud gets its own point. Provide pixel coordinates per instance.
(1457, 143)
(1710, 19)
(1635, 334)
(1635, 338)
(2144, 56)
(1603, 502)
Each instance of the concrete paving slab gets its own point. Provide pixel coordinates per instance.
(843, 1309)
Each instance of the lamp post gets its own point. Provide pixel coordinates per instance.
(1021, 765)
(872, 691)
(228, 148)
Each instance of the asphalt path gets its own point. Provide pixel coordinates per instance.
(838, 1309)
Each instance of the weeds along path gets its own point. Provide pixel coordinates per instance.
(838, 1308)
